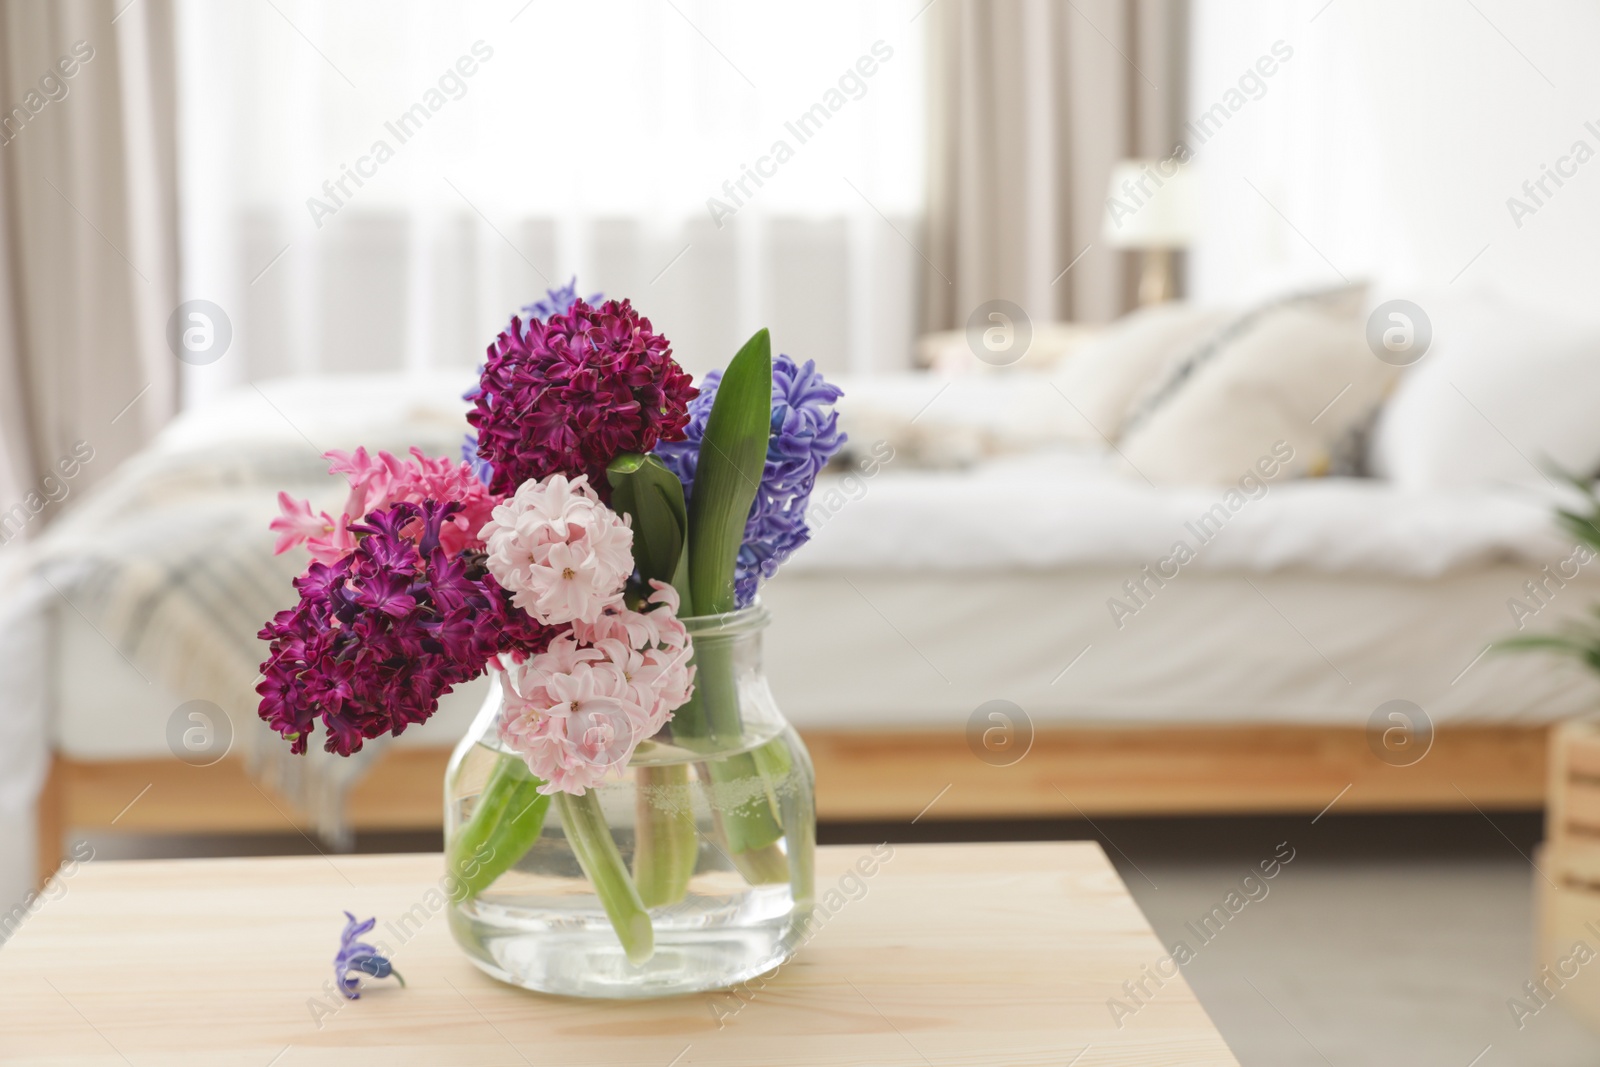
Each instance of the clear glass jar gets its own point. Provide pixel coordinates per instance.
(690, 869)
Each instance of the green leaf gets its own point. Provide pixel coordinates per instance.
(666, 840)
(506, 820)
(1544, 642)
(1582, 527)
(644, 489)
(733, 453)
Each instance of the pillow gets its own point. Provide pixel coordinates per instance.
(949, 352)
(1501, 393)
(1292, 380)
(937, 422)
(1105, 376)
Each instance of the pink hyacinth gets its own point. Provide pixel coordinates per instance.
(560, 552)
(376, 482)
(577, 711)
(328, 539)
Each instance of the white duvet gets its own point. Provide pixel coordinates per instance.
(1064, 507)
(986, 473)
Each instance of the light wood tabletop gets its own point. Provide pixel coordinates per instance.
(942, 955)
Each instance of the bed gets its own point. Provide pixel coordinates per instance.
(1250, 679)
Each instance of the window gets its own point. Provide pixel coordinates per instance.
(377, 186)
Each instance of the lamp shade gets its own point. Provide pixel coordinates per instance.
(1149, 204)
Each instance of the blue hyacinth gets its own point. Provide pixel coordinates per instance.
(805, 435)
(469, 454)
(558, 300)
(356, 955)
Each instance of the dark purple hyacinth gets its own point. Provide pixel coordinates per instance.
(380, 636)
(570, 393)
(356, 955)
(554, 302)
(805, 435)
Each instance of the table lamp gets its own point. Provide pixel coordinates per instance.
(1150, 207)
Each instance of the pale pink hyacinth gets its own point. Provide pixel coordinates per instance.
(561, 553)
(577, 711)
(375, 483)
(654, 648)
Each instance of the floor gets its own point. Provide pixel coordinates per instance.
(1381, 941)
(1379, 944)
(1386, 941)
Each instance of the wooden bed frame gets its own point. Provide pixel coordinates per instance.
(890, 776)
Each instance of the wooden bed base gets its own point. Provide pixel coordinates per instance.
(902, 775)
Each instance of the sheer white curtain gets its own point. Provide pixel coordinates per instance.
(378, 185)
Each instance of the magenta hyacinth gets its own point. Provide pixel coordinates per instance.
(379, 636)
(568, 394)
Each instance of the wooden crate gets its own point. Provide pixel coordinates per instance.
(1572, 811)
(1567, 885)
(1568, 916)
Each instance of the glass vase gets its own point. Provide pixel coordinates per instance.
(688, 869)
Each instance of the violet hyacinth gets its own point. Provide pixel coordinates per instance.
(379, 636)
(556, 301)
(481, 468)
(356, 955)
(805, 435)
(568, 394)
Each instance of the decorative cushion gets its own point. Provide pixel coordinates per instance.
(1293, 376)
(1133, 354)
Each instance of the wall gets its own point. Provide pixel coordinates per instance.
(1389, 142)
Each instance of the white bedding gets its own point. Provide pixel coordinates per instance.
(1065, 507)
(904, 652)
(1292, 647)
(1029, 500)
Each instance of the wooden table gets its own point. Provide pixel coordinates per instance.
(946, 954)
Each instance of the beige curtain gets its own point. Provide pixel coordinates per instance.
(1031, 102)
(88, 242)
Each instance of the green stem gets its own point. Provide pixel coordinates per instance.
(712, 717)
(717, 689)
(742, 795)
(799, 814)
(505, 822)
(766, 865)
(758, 824)
(591, 841)
(666, 844)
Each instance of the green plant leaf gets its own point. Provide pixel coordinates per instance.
(1582, 527)
(733, 453)
(644, 489)
(1545, 642)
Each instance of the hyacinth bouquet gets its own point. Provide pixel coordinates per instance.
(601, 500)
